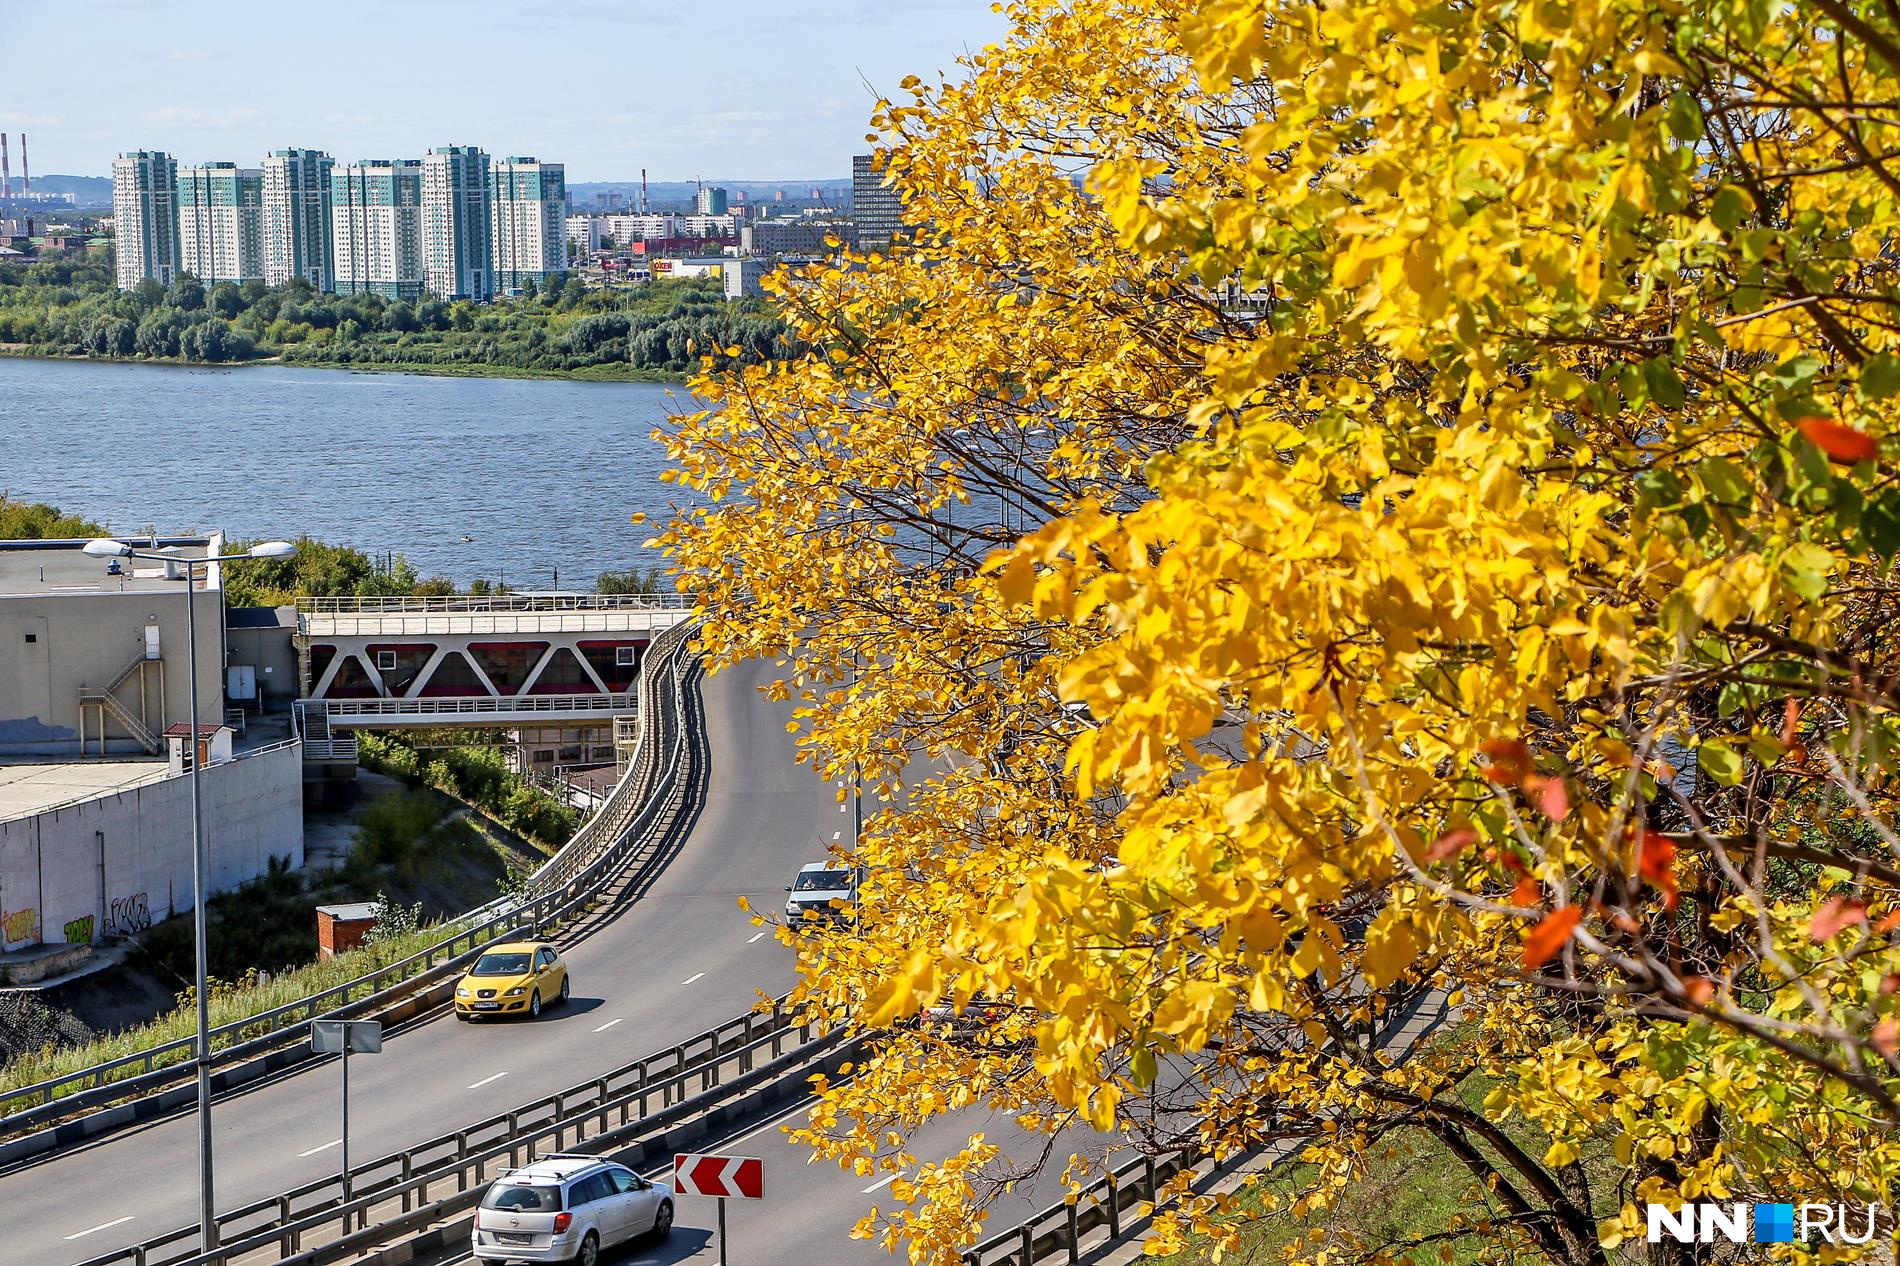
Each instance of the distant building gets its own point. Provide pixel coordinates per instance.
(583, 233)
(220, 222)
(376, 225)
(877, 207)
(700, 267)
(625, 229)
(793, 237)
(711, 201)
(298, 226)
(145, 217)
(528, 222)
(457, 224)
(742, 278)
(16, 227)
(708, 224)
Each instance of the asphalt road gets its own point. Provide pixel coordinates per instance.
(678, 961)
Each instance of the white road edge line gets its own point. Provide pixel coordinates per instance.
(755, 936)
(882, 1182)
(603, 1028)
(326, 1147)
(660, 1173)
(698, 975)
(484, 1081)
(103, 1226)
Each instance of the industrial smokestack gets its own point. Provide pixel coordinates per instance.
(643, 191)
(6, 174)
(26, 177)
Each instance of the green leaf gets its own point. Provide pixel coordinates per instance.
(1665, 386)
(1724, 481)
(1720, 762)
(1732, 699)
(1880, 525)
(1880, 377)
(1730, 208)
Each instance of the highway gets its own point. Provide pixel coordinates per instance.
(678, 961)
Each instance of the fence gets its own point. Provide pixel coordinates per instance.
(626, 829)
(497, 602)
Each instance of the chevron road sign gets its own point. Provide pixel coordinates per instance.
(738, 1177)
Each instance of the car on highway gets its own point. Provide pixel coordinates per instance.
(567, 1208)
(816, 886)
(513, 978)
(974, 1024)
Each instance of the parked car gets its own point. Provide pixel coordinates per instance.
(517, 977)
(816, 887)
(973, 1025)
(567, 1208)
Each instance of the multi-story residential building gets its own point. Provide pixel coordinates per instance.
(376, 219)
(457, 224)
(145, 217)
(220, 222)
(877, 208)
(793, 237)
(583, 233)
(711, 201)
(528, 222)
(298, 226)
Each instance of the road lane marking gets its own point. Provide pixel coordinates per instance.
(484, 1081)
(698, 975)
(326, 1147)
(603, 1028)
(882, 1182)
(755, 936)
(103, 1226)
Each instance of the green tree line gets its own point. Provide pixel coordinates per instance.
(70, 306)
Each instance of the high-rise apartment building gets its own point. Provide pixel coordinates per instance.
(877, 208)
(145, 217)
(297, 220)
(376, 227)
(711, 201)
(583, 233)
(220, 222)
(528, 219)
(457, 225)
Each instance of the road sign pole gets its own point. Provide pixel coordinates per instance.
(724, 1258)
(346, 1128)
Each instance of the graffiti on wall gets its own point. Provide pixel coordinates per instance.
(20, 925)
(79, 931)
(129, 914)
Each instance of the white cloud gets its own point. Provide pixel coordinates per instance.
(17, 119)
(192, 116)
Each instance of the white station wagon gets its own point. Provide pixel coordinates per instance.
(567, 1208)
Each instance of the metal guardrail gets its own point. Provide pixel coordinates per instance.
(620, 1098)
(466, 603)
(471, 704)
(605, 842)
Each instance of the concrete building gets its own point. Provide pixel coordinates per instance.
(742, 278)
(877, 208)
(457, 224)
(145, 217)
(298, 230)
(794, 237)
(220, 222)
(528, 221)
(376, 227)
(710, 201)
(583, 233)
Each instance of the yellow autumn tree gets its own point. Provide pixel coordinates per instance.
(1341, 506)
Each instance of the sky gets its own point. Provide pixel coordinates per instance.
(735, 89)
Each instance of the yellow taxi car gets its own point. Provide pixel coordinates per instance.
(515, 977)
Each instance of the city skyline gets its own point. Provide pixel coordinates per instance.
(770, 95)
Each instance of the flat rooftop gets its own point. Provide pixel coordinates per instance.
(29, 789)
(49, 568)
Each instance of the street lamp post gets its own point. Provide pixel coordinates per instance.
(107, 548)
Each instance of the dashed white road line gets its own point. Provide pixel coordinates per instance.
(698, 975)
(103, 1226)
(882, 1183)
(603, 1028)
(326, 1147)
(484, 1081)
(755, 936)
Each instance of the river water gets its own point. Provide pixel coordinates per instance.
(542, 475)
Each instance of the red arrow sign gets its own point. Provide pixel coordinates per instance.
(733, 1177)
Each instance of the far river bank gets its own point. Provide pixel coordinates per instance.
(589, 373)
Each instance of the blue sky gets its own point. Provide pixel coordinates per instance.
(736, 90)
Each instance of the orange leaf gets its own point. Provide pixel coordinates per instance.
(1552, 797)
(1509, 760)
(1656, 863)
(1890, 984)
(1699, 990)
(1886, 1037)
(1509, 860)
(1450, 844)
(1839, 441)
(1527, 893)
(1790, 721)
(1835, 914)
(1888, 922)
(1550, 936)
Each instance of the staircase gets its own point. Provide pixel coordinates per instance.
(108, 704)
(311, 722)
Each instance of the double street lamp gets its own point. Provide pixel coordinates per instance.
(107, 548)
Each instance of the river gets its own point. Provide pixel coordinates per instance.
(540, 475)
